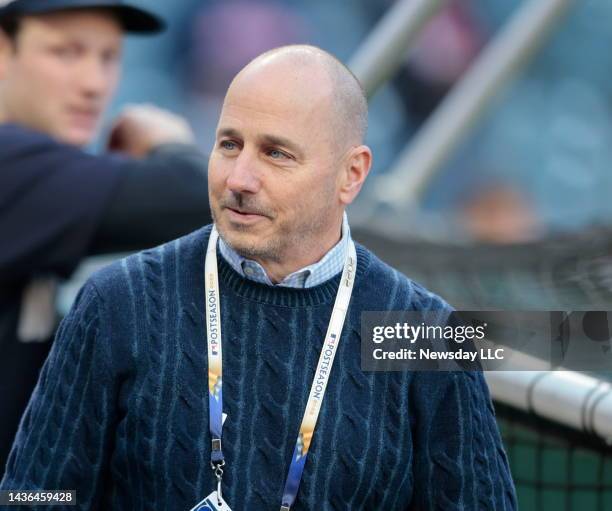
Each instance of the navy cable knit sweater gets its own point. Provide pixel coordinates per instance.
(120, 413)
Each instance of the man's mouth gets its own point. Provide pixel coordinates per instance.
(84, 117)
(244, 215)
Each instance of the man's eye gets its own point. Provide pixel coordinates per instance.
(111, 57)
(277, 155)
(65, 52)
(228, 145)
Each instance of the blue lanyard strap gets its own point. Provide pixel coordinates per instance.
(319, 384)
(215, 365)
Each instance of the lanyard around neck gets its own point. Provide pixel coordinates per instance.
(319, 384)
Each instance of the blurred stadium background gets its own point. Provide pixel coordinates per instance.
(491, 126)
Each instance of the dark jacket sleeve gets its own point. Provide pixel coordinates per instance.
(58, 203)
(157, 199)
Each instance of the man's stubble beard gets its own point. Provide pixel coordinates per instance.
(248, 250)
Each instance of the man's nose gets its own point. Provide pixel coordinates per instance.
(95, 77)
(244, 176)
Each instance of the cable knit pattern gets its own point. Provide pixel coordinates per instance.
(120, 413)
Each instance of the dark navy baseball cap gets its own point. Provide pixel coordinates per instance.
(134, 19)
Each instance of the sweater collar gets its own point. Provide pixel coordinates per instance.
(322, 294)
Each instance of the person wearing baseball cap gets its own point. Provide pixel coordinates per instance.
(59, 67)
(133, 19)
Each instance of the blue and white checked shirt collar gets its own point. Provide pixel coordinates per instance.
(331, 264)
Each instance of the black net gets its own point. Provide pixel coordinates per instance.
(566, 273)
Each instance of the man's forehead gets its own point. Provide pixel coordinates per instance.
(254, 117)
(257, 122)
(93, 28)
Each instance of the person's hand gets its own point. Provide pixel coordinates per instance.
(141, 128)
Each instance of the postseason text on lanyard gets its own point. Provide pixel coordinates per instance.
(319, 385)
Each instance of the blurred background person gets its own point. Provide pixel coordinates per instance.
(497, 212)
(59, 67)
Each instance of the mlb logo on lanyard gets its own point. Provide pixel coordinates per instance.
(211, 503)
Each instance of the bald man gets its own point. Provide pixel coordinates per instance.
(267, 303)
